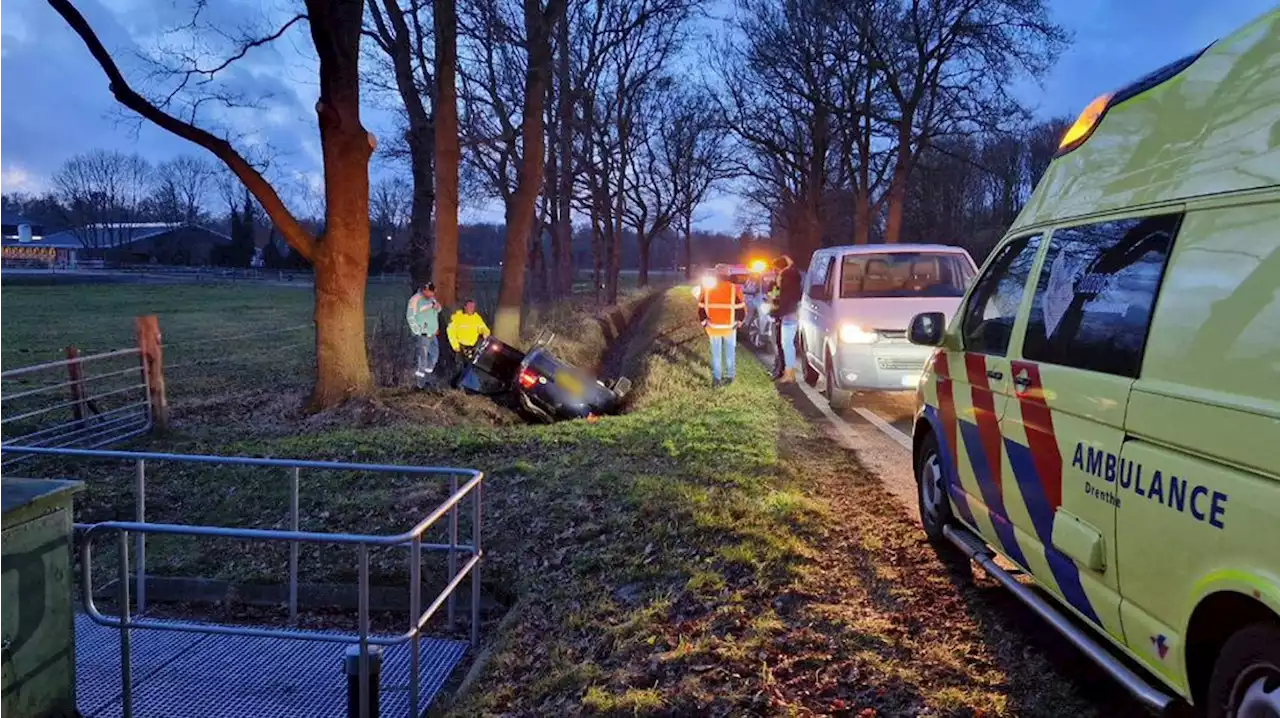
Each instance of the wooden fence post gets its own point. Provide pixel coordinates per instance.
(152, 353)
(76, 374)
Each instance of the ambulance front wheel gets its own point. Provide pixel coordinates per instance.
(931, 491)
(1246, 676)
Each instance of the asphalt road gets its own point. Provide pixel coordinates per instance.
(876, 426)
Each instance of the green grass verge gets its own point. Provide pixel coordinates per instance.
(707, 553)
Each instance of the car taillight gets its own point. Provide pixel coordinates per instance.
(528, 378)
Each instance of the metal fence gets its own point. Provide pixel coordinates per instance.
(411, 539)
(78, 402)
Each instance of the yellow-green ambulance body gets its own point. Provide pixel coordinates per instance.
(1104, 409)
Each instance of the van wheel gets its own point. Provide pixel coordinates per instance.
(837, 397)
(811, 375)
(1246, 676)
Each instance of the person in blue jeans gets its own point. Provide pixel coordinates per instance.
(722, 309)
(786, 311)
(423, 315)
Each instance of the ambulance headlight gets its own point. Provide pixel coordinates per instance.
(854, 334)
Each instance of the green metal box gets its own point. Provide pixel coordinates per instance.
(38, 624)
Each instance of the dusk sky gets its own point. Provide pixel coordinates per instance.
(56, 103)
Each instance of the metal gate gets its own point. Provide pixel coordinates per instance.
(464, 484)
(82, 401)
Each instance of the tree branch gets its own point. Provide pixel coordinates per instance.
(294, 234)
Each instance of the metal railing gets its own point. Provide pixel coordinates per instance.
(411, 539)
(80, 402)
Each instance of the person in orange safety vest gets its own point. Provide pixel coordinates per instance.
(722, 309)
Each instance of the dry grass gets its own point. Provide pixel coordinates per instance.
(707, 553)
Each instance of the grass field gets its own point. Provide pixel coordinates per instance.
(707, 553)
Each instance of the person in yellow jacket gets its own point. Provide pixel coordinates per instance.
(722, 309)
(466, 328)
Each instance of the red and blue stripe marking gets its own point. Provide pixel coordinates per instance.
(947, 422)
(1037, 468)
(982, 442)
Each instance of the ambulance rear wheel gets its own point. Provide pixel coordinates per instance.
(931, 491)
(1246, 676)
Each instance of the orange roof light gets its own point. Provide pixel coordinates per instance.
(758, 266)
(1084, 124)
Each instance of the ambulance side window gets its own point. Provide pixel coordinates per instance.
(1096, 293)
(993, 305)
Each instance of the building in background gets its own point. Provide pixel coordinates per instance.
(120, 243)
(23, 241)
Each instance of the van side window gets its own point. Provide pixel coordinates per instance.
(1095, 295)
(993, 306)
(817, 276)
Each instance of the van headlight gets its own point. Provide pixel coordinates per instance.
(854, 334)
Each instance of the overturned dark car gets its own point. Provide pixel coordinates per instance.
(540, 384)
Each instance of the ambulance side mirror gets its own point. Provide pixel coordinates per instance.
(926, 329)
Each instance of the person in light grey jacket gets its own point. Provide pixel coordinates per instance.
(424, 322)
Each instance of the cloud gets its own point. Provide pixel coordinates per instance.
(13, 178)
(57, 102)
(1116, 42)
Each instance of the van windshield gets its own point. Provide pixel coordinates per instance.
(904, 274)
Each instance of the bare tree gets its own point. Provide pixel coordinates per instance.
(948, 66)
(504, 93)
(391, 209)
(103, 192)
(562, 163)
(448, 152)
(694, 155)
(686, 153)
(538, 22)
(780, 91)
(340, 255)
(405, 40)
(182, 188)
(626, 48)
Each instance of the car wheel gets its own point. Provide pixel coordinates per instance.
(837, 397)
(1246, 676)
(811, 375)
(931, 490)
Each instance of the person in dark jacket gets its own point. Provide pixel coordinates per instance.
(786, 313)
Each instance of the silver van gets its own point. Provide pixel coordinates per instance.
(858, 301)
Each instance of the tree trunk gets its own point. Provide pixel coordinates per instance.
(597, 248)
(897, 193)
(448, 154)
(688, 246)
(421, 163)
(506, 325)
(646, 244)
(537, 264)
(341, 259)
(861, 216)
(804, 232)
(563, 224)
(895, 197)
(613, 257)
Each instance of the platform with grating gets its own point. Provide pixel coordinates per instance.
(192, 675)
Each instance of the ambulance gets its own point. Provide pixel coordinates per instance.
(1102, 413)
